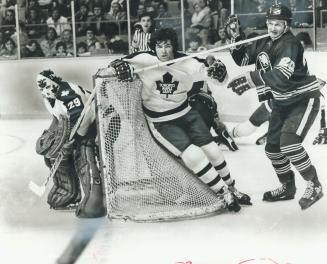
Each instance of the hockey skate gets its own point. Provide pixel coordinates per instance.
(242, 198)
(312, 194)
(230, 200)
(321, 138)
(261, 140)
(284, 192)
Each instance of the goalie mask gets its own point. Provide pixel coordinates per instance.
(48, 84)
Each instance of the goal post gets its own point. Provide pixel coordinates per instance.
(142, 181)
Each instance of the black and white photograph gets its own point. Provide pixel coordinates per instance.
(163, 131)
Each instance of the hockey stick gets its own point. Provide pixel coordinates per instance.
(40, 190)
(85, 231)
(164, 63)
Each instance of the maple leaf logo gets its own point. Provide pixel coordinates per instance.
(167, 86)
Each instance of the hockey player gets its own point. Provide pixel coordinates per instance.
(65, 102)
(282, 75)
(172, 121)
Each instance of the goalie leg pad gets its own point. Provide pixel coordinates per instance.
(65, 190)
(92, 204)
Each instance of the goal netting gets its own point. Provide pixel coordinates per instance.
(142, 181)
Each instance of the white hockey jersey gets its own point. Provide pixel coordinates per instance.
(70, 102)
(164, 92)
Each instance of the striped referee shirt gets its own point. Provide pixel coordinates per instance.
(140, 41)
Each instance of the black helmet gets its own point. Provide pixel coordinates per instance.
(280, 12)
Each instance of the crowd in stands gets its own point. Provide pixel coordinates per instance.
(46, 26)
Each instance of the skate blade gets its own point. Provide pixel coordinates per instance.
(310, 204)
(278, 200)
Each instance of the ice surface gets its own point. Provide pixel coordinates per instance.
(30, 233)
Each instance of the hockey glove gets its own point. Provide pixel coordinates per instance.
(123, 70)
(321, 138)
(244, 82)
(217, 69)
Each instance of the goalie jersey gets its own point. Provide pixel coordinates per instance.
(165, 89)
(70, 100)
(282, 68)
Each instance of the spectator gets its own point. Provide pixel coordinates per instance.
(82, 18)
(32, 50)
(91, 41)
(163, 14)
(48, 45)
(142, 34)
(82, 50)
(67, 38)
(140, 9)
(8, 4)
(223, 40)
(23, 37)
(61, 50)
(33, 4)
(46, 4)
(99, 24)
(8, 49)
(64, 7)
(8, 23)
(187, 14)
(117, 15)
(201, 20)
(34, 24)
(58, 22)
(195, 44)
(105, 4)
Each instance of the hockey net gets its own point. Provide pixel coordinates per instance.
(142, 181)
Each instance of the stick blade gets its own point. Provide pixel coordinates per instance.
(38, 190)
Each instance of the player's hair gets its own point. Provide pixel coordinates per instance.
(164, 34)
(50, 75)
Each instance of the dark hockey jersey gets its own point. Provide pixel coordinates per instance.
(70, 102)
(281, 67)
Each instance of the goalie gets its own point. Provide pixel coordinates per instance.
(173, 122)
(65, 102)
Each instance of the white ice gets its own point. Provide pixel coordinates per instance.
(282, 233)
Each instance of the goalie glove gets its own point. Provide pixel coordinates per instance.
(244, 82)
(232, 28)
(122, 70)
(217, 69)
(321, 138)
(55, 139)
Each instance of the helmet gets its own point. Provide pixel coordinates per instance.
(280, 12)
(48, 83)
